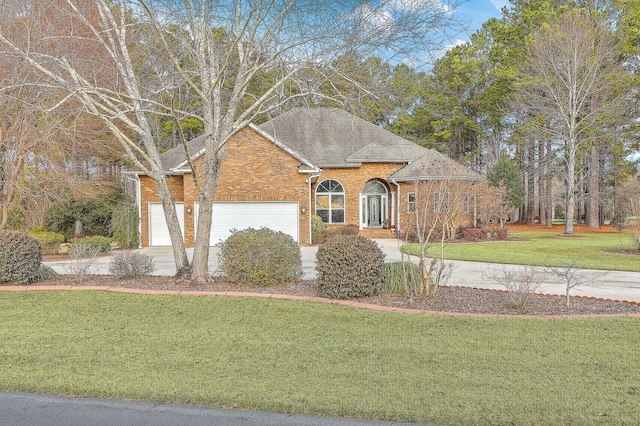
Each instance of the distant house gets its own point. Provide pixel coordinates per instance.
(320, 161)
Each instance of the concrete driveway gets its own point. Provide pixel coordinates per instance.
(616, 285)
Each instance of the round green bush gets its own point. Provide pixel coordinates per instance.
(50, 241)
(97, 244)
(349, 266)
(20, 257)
(260, 257)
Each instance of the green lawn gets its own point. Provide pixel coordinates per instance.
(298, 357)
(544, 248)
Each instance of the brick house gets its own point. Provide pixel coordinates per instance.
(320, 161)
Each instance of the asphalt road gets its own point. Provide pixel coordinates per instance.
(23, 409)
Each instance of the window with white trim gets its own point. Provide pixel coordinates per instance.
(330, 201)
(466, 203)
(440, 201)
(411, 202)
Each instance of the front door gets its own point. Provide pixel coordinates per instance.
(373, 204)
(374, 210)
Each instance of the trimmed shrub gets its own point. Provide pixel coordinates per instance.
(131, 264)
(124, 226)
(501, 233)
(349, 230)
(50, 241)
(329, 232)
(260, 257)
(20, 257)
(92, 244)
(477, 234)
(401, 277)
(349, 266)
(317, 227)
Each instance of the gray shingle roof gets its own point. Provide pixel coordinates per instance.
(330, 137)
(434, 165)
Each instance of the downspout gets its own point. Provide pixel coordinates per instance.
(475, 210)
(311, 176)
(139, 204)
(398, 202)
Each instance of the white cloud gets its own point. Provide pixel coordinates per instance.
(436, 54)
(376, 19)
(499, 4)
(416, 5)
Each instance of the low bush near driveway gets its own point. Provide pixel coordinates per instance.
(349, 266)
(131, 263)
(260, 257)
(20, 257)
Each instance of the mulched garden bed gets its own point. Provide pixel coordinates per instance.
(447, 299)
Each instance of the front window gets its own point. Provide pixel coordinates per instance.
(411, 202)
(440, 202)
(330, 201)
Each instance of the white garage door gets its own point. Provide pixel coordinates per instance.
(279, 216)
(158, 230)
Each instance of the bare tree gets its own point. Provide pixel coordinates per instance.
(573, 85)
(521, 282)
(573, 276)
(218, 51)
(437, 207)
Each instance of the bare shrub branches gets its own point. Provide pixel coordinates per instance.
(521, 282)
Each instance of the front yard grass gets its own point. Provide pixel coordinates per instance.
(546, 249)
(298, 357)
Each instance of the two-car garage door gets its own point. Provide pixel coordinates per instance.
(279, 216)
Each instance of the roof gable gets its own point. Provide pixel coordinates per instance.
(176, 158)
(432, 166)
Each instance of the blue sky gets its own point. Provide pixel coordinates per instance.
(478, 12)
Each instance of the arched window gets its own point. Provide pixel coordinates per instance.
(330, 201)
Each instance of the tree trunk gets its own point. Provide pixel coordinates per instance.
(214, 155)
(571, 186)
(177, 241)
(549, 184)
(78, 230)
(593, 219)
(542, 196)
(531, 183)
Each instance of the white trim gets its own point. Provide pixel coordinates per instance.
(329, 194)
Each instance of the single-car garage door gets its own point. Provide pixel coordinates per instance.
(158, 229)
(279, 216)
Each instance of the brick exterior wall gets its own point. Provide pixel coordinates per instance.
(408, 220)
(254, 169)
(353, 181)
